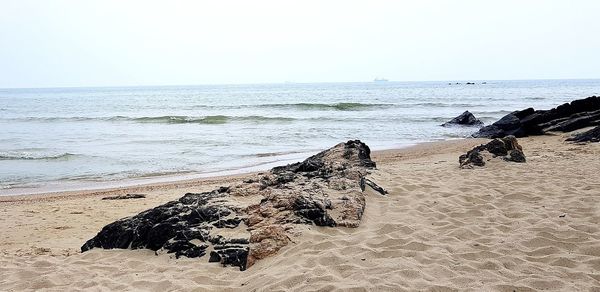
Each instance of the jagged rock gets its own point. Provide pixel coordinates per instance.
(507, 125)
(234, 255)
(172, 226)
(496, 147)
(472, 157)
(464, 119)
(576, 121)
(324, 190)
(125, 197)
(314, 210)
(565, 118)
(511, 143)
(507, 148)
(592, 135)
(515, 155)
(489, 131)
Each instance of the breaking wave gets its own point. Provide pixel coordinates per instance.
(342, 106)
(32, 156)
(181, 120)
(219, 119)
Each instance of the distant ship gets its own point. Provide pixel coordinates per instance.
(380, 80)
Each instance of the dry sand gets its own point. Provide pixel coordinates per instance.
(503, 227)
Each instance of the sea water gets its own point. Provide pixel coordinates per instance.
(65, 138)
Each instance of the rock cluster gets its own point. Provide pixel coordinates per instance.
(464, 119)
(592, 135)
(506, 148)
(324, 190)
(565, 118)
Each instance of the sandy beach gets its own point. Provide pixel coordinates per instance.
(299, 146)
(502, 227)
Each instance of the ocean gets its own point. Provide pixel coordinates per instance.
(57, 139)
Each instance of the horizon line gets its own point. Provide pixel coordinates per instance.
(290, 82)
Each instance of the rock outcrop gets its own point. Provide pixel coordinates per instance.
(592, 135)
(506, 148)
(325, 190)
(464, 119)
(568, 117)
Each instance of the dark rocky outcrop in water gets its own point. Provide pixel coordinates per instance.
(464, 119)
(592, 135)
(125, 197)
(323, 190)
(506, 148)
(565, 118)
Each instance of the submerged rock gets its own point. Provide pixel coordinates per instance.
(565, 118)
(592, 135)
(325, 190)
(464, 119)
(506, 148)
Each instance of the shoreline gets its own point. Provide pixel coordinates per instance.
(502, 227)
(175, 181)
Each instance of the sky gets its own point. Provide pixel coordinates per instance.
(55, 43)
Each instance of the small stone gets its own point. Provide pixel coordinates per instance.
(125, 197)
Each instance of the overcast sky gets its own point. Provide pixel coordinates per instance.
(111, 43)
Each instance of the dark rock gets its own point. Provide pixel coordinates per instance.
(576, 121)
(497, 147)
(489, 131)
(170, 226)
(125, 197)
(185, 248)
(565, 118)
(509, 122)
(472, 157)
(592, 135)
(228, 223)
(465, 119)
(313, 210)
(524, 113)
(515, 155)
(507, 148)
(508, 125)
(230, 255)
